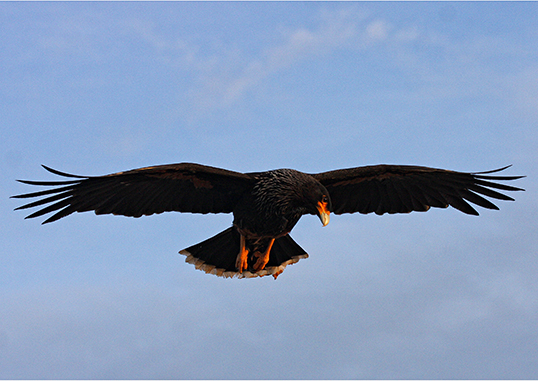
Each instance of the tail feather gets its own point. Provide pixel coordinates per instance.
(217, 255)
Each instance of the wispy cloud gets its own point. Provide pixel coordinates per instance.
(178, 51)
(224, 86)
(221, 74)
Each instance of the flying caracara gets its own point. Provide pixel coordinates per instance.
(266, 205)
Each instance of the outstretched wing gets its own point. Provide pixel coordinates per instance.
(402, 189)
(181, 187)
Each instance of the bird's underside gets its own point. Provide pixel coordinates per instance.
(229, 254)
(266, 205)
(255, 257)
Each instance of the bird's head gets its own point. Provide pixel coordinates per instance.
(319, 202)
(324, 206)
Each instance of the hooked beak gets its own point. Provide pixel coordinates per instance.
(323, 213)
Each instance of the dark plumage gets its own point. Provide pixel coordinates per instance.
(266, 205)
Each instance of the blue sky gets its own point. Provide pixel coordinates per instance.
(96, 88)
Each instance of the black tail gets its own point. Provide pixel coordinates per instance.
(217, 255)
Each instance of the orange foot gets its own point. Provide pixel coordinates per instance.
(263, 258)
(241, 262)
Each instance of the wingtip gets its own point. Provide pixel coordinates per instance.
(49, 169)
(27, 182)
(30, 217)
(59, 173)
(493, 170)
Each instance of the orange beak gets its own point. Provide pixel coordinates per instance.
(323, 213)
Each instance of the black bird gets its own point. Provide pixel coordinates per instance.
(265, 205)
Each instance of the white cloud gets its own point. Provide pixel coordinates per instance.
(176, 51)
(232, 76)
(378, 30)
(297, 44)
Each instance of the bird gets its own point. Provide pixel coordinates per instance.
(265, 205)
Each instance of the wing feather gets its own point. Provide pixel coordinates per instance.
(405, 196)
(402, 189)
(184, 187)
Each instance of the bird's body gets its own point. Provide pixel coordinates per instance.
(276, 203)
(265, 205)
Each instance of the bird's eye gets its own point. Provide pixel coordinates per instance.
(325, 199)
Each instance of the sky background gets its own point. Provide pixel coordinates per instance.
(97, 88)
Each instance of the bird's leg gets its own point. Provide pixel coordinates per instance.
(264, 258)
(242, 258)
